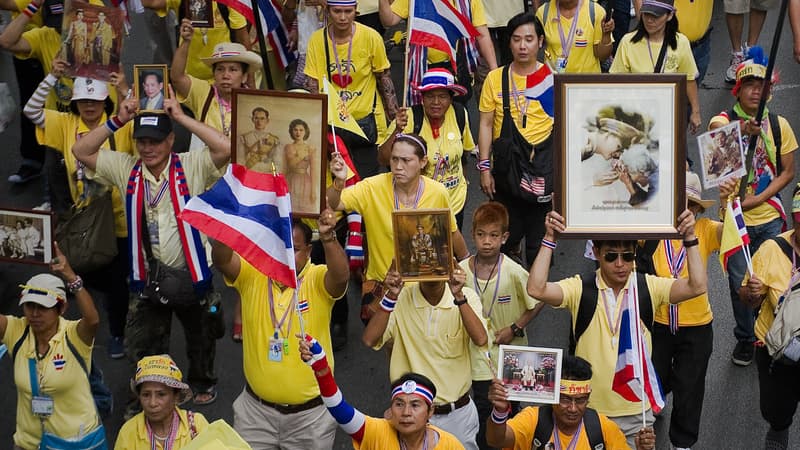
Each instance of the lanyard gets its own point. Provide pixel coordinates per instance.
(420, 188)
(523, 110)
(650, 52)
(286, 314)
(567, 41)
(173, 433)
(223, 108)
(575, 437)
(613, 325)
(499, 265)
(344, 79)
(675, 262)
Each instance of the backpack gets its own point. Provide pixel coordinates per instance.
(544, 428)
(458, 108)
(546, 10)
(777, 138)
(783, 337)
(588, 305)
(103, 399)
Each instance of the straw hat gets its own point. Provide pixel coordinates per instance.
(233, 52)
(694, 190)
(161, 369)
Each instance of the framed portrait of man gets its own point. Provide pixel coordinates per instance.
(286, 133)
(26, 236)
(150, 86)
(621, 168)
(199, 12)
(91, 40)
(423, 244)
(721, 154)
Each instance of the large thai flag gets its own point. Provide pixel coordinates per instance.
(539, 87)
(437, 24)
(251, 213)
(635, 373)
(275, 31)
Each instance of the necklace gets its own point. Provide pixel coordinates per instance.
(482, 291)
(398, 203)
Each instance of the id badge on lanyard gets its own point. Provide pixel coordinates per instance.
(275, 349)
(561, 64)
(42, 405)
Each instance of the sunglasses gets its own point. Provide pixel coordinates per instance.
(626, 256)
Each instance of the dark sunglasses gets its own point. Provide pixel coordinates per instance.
(626, 256)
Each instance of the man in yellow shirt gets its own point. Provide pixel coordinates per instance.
(597, 340)
(575, 42)
(694, 22)
(281, 406)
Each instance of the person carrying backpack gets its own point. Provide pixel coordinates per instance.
(775, 275)
(570, 423)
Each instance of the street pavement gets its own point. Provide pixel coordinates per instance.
(731, 417)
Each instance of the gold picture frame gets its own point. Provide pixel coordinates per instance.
(423, 244)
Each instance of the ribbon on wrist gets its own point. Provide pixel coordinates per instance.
(318, 361)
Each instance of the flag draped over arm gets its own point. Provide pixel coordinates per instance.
(250, 212)
(271, 22)
(734, 234)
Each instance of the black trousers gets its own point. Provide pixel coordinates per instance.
(29, 74)
(526, 220)
(779, 390)
(681, 361)
(112, 281)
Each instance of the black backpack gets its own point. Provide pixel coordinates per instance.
(544, 428)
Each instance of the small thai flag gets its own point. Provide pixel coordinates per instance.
(59, 362)
(504, 299)
(581, 43)
(303, 306)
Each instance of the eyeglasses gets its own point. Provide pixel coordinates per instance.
(626, 256)
(566, 402)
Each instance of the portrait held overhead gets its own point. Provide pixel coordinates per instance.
(150, 86)
(92, 40)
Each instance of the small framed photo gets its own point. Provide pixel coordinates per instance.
(26, 236)
(531, 374)
(150, 86)
(721, 154)
(91, 39)
(200, 13)
(621, 170)
(284, 132)
(423, 245)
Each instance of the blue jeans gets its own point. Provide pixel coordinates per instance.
(701, 50)
(745, 315)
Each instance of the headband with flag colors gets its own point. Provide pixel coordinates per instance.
(734, 235)
(275, 30)
(342, 3)
(539, 87)
(250, 212)
(412, 387)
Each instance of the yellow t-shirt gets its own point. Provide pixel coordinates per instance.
(380, 435)
(499, 12)
(60, 378)
(764, 212)
(597, 346)
(636, 57)
(34, 22)
(774, 269)
(133, 434)
(696, 311)
(367, 59)
(115, 168)
(195, 100)
(367, 7)
(373, 198)
(694, 17)
(445, 153)
(476, 14)
(539, 124)
(581, 57)
(60, 132)
(431, 340)
(289, 381)
(524, 426)
(502, 304)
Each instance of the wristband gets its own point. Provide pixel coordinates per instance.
(549, 244)
(500, 417)
(388, 304)
(114, 124)
(75, 285)
(692, 243)
(330, 237)
(459, 301)
(516, 330)
(484, 165)
(31, 9)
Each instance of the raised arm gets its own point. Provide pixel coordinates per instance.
(696, 283)
(87, 147)
(338, 170)
(474, 326)
(385, 149)
(386, 89)
(385, 13)
(498, 433)
(538, 286)
(603, 50)
(90, 319)
(380, 320)
(219, 145)
(225, 260)
(34, 109)
(338, 274)
(11, 39)
(486, 47)
(177, 73)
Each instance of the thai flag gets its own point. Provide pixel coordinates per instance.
(303, 306)
(539, 87)
(437, 24)
(739, 217)
(275, 31)
(251, 213)
(634, 371)
(58, 361)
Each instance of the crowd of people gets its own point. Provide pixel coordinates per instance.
(93, 139)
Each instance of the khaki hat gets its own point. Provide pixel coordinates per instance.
(234, 52)
(694, 190)
(44, 289)
(161, 369)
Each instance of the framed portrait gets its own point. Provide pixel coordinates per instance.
(285, 133)
(91, 39)
(26, 236)
(150, 86)
(423, 245)
(199, 12)
(531, 374)
(620, 166)
(721, 154)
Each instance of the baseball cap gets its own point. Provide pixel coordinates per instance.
(154, 126)
(44, 289)
(658, 7)
(89, 89)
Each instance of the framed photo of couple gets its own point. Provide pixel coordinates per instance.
(621, 166)
(26, 236)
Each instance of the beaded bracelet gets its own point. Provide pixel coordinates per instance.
(75, 285)
(114, 123)
(500, 417)
(549, 244)
(31, 9)
(484, 165)
(388, 304)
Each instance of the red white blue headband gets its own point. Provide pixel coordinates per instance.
(440, 79)
(342, 3)
(411, 387)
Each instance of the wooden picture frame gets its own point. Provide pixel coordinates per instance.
(619, 168)
(26, 236)
(531, 374)
(266, 145)
(91, 40)
(199, 12)
(146, 78)
(423, 244)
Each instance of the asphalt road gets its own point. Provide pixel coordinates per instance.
(731, 417)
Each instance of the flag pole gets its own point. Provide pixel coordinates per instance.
(773, 53)
(262, 46)
(639, 344)
(408, 46)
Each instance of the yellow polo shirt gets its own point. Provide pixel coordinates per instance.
(539, 124)
(511, 301)
(696, 311)
(587, 34)
(61, 131)
(596, 344)
(379, 434)
(499, 12)
(367, 7)
(477, 16)
(133, 434)
(115, 168)
(524, 427)
(635, 57)
(373, 198)
(60, 377)
(195, 100)
(694, 17)
(431, 340)
(289, 381)
(774, 269)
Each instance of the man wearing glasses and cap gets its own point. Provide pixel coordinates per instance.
(606, 294)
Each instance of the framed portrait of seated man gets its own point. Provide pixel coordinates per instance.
(423, 244)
